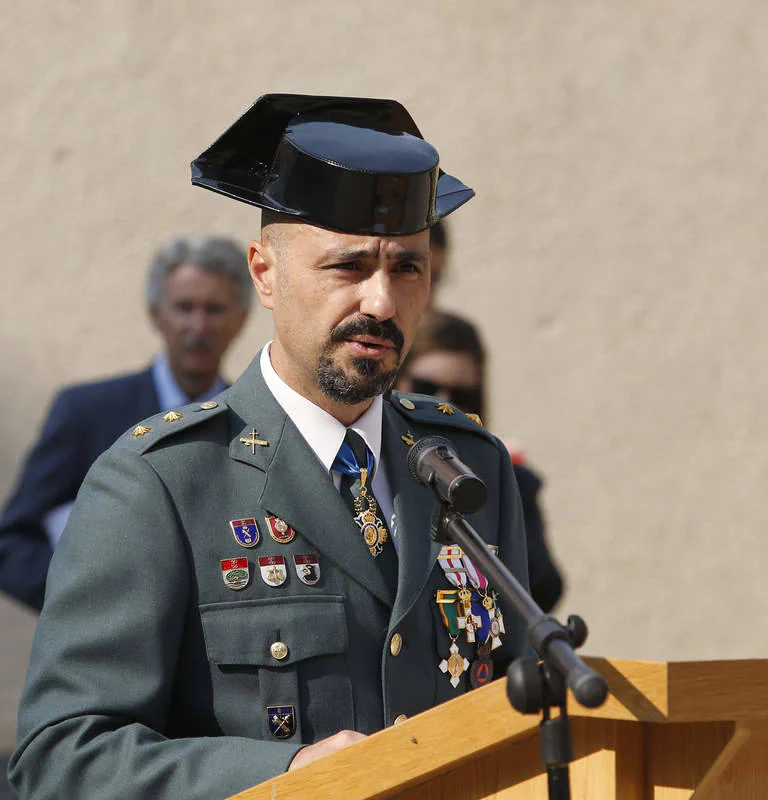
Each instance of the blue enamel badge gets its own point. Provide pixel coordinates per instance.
(245, 531)
(281, 721)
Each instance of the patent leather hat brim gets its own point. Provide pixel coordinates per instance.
(356, 165)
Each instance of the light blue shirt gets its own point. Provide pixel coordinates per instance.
(169, 393)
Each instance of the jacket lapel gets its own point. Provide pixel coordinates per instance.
(297, 487)
(413, 506)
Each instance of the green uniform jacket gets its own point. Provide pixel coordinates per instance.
(150, 677)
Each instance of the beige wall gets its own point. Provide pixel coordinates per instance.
(615, 253)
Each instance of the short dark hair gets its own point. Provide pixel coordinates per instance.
(441, 331)
(438, 235)
(270, 217)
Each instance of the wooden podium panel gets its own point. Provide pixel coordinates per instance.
(667, 731)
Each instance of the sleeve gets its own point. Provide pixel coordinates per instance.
(107, 647)
(545, 579)
(51, 477)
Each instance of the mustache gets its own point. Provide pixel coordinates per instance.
(195, 340)
(367, 326)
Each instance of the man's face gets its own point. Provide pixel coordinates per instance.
(198, 316)
(345, 307)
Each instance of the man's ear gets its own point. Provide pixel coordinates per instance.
(155, 317)
(262, 265)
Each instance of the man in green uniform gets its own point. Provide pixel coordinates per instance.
(247, 584)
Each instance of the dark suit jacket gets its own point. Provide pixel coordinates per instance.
(83, 422)
(544, 576)
(149, 677)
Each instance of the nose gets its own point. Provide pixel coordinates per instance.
(378, 299)
(198, 321)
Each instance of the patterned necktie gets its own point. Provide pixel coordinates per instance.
(355, 463)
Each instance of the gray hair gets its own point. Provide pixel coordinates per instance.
(210, 253)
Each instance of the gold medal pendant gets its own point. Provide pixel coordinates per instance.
(455, 665)
(465, 598)
(373, 529)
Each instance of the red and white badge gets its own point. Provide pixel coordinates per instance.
(307, 568)
(272, 570)
(235, 572)
(451, 562)
(279, 529)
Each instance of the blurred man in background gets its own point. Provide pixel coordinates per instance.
(198, 294)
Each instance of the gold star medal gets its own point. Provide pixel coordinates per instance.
(455, 665)
(367, 518)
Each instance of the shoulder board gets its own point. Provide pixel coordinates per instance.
(151, 431)
(426, 410)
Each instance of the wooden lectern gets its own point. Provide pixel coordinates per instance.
(666, 731)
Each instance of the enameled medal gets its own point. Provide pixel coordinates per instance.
(245, 531)
(281, 721)
(307, 568)
(235, 572)
(272, 570)
(280, 530)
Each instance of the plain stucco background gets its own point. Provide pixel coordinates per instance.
(615, 255)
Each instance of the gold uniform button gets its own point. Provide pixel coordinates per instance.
(406, 403)
(208, 405)
(279, 650)
(400, 718)
(396, 644)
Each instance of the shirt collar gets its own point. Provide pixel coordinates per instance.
(322, 431)
(169, 393)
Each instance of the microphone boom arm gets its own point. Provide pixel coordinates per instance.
(532, 686)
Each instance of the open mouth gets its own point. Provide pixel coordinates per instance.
(370, 346)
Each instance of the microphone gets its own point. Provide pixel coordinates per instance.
(433, 462)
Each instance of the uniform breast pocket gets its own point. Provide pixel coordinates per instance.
(279, 667)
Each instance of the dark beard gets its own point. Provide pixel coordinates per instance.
(367, 379)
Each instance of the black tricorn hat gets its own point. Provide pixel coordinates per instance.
(350, 164)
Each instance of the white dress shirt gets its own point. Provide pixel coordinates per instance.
(324, 434)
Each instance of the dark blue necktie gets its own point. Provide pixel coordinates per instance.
(355, 461)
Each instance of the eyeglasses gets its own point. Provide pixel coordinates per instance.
(467, 398)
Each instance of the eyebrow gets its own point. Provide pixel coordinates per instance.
(343, 254)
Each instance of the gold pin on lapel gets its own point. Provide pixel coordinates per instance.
(475, 418)
(408, 439)
(172, 416)
(140, 430)
(251, 440)
(446, 409)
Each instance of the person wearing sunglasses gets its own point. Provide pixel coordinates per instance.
(447, 360)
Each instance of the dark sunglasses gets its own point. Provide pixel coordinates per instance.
(466, 398)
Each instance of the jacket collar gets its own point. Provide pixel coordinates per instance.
(297, 487)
